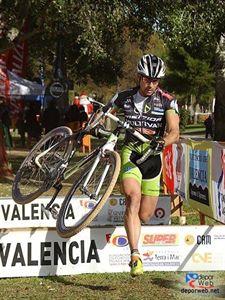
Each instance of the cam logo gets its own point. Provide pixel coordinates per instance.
(117, 240)
(204, 239)
(189, 239)
(87, 203)
(202, 257)
(113, 202)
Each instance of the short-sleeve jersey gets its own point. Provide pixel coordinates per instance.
(152, 116)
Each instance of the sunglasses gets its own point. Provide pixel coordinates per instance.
(149, 80)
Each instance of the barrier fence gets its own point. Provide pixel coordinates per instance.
(193, 170)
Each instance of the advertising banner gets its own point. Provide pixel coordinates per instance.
(199, 183)
(180, 154)
(34, 215)
(218, 181)
(42, 252)
(168, 169)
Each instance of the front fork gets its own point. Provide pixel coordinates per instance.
(109, 146)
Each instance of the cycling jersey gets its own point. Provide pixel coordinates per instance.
(143, 113)
(152, 116)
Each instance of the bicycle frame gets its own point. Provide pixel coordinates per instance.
(108, 146)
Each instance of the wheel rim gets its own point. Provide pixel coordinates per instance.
(30, 179)
(79, 202)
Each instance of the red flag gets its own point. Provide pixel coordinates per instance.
(168, 175)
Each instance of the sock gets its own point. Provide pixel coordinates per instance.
(135, 255)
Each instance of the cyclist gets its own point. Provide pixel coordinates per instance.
(154, 113)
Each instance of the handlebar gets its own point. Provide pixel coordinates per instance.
(105, 111)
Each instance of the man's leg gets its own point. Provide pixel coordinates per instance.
(147, 207)
(132, 191)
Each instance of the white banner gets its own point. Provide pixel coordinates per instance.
(42, 252)
(180, 168)
(218, 182)
(33, 214)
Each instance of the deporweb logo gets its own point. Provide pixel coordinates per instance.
(199, 284)
(196, 280)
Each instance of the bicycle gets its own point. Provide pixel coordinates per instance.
(47, 163)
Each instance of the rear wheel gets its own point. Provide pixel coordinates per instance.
(82, 199)
(31, 180)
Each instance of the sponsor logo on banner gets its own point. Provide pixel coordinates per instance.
(117, 240)
(160, 239)
(204, 239)
(219, 236)
(189, 239)
(200, 258)
(113, 202)
(49, 253)
(200, 284)
(159, 213)
(34, 214)
(87, 203)
(119, 259)
(198, 172)
(161, 258)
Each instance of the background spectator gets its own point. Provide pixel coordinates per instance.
(72, 117)
(32, 124)
(6, 122)
(208, 127)
(51, 117)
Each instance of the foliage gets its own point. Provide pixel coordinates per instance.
(184, 117)
(194, 25)
(190, 76)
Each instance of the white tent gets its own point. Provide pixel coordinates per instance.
(19, 86)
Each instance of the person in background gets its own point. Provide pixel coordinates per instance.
(208, 127)
(32, 123)
(51, 117)
(72, 117)
(88, 106)
(6, 122)
(20, 125)
(83, 116)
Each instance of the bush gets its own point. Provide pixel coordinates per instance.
(184, 117)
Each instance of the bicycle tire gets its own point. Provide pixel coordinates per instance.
(30, 182)
(68, 231)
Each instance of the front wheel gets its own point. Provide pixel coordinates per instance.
(31, 180)
(86, 198)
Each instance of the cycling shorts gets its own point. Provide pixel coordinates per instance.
(147, 173)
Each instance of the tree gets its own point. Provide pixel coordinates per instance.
(190, 77)
(198, 26)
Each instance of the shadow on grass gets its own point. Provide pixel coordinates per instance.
(62, 280)
(221, 293)
(166, 283)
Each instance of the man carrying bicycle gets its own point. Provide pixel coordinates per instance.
(154, 113)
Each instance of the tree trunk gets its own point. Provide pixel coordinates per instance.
(219, 114)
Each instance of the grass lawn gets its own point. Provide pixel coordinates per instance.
(152, 285)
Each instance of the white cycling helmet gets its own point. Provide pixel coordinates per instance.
(151, 66)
